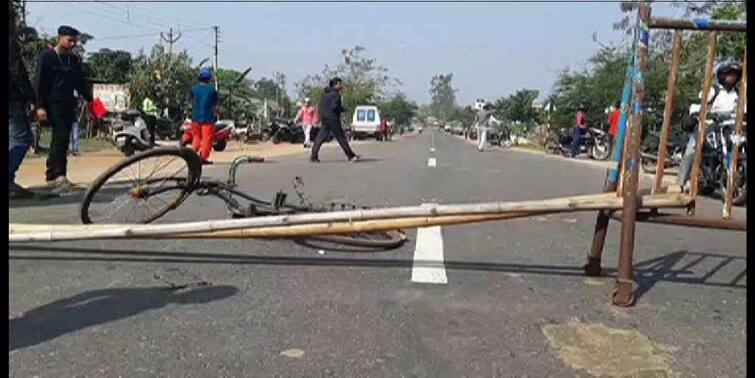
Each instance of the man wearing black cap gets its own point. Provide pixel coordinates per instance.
(59, 74)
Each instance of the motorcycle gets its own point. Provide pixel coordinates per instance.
(716, 160)
(223, 132)
(674, 151)
(281, 130)
(594, 142)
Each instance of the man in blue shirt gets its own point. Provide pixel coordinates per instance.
(204, 100)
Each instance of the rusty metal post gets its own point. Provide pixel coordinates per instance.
(593, 268)
(668, 110)
(623, 295)
(708, 82)
(732, 177)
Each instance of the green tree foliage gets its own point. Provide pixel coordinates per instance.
(443, 96)
(398, 108)
(165, 78)
(113, 66)
(365, 81)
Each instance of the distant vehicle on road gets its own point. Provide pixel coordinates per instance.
(366, 122)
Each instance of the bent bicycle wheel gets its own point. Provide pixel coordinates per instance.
(374, 239)
(142, 188)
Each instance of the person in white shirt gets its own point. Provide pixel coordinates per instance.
(485, 120)
(723, 100)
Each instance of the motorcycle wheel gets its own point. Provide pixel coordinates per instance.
(740, 191)
(600, 150)
(128, 149)
(648, 165)
(219, 146)
(277, 138)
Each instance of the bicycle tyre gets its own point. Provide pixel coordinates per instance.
(194, 173)
(385, 239)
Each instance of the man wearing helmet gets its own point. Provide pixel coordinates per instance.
(307, 115)
(722, 99)
(204, 100)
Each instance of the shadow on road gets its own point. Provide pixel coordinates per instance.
(647, 273)
(101, 306)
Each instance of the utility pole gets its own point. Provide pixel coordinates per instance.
(23, 12)
(215, 67)
(171, 40)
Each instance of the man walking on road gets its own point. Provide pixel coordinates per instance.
(485, 120)
(20, 95)
(58, 75)
(330, 119)
(307, 115)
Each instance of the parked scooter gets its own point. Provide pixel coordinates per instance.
(223, 133)
(130, 132)
(594, 143)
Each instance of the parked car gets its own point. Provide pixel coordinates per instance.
(366, 122)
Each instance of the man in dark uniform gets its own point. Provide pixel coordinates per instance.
(330, 119)
(59, 74)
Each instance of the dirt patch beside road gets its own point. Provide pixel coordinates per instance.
(84, 168)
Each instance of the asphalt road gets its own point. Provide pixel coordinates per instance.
(282, 308)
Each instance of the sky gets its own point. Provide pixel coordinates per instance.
(492, 49)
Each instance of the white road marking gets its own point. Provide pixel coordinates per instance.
(428, 264)
(431, 162)
(432, 149)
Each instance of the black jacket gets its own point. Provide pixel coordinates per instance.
(331, 108)
(57, 77)
(19, 86)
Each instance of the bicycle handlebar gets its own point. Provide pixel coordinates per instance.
(243, 159)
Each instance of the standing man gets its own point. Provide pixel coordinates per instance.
(20, 95)
(307, 115)
(579, 129)
(330, 117)
(204, 99)
(485, 120)
(613, 121)
(150, 112)
(58, 75)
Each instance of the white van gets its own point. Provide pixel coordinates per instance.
(366, 121)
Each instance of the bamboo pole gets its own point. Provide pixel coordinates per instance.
(624, 293)
(668, 110)
(697, 24)
(708, 83)
(731, 182)
(390, 217)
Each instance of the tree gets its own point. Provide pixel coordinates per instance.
(109, 65)
(398, 108)
(163, 77)
(443, 96)
(365, 81)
